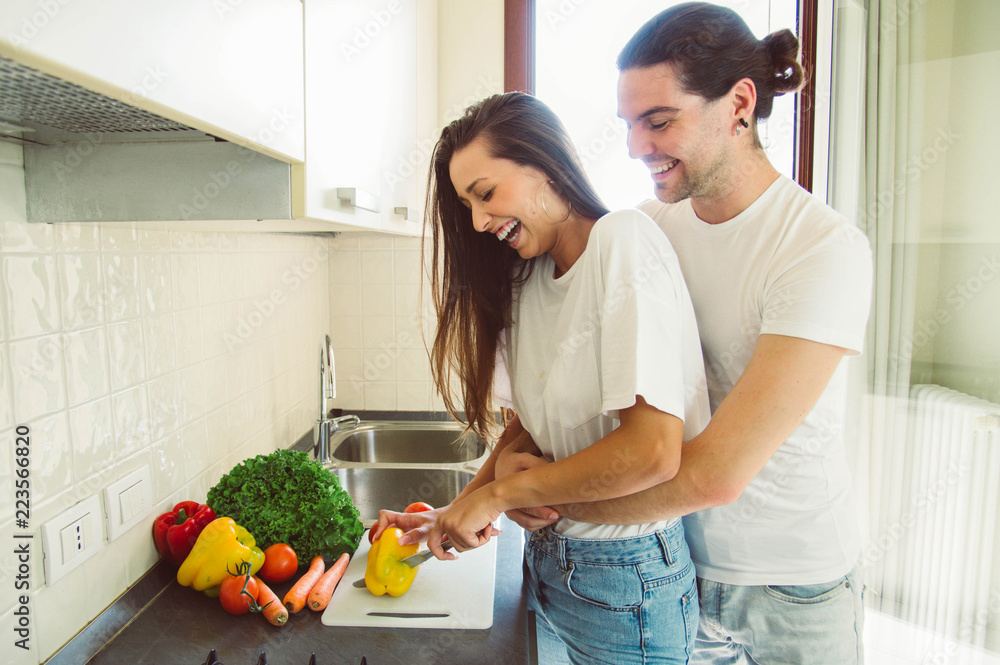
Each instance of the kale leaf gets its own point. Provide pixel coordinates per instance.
(285, 497)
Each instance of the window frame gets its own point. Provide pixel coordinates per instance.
(519, 73)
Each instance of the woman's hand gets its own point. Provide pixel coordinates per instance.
(467, 522)
(415, 526)
(529, 519)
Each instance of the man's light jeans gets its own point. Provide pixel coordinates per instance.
(814, 624)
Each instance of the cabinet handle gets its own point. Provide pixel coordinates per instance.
(406, 212)
(359, 198)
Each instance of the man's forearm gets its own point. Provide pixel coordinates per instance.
(675, 498)
(781, 384)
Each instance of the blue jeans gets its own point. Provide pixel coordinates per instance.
(811, 624)
(621, 601)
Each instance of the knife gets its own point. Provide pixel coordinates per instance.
(413, 561)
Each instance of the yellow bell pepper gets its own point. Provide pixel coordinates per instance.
(220, 549)
(386, 573)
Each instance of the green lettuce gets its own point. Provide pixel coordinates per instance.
(285, 497)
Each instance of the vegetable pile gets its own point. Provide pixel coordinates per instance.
(287, 498)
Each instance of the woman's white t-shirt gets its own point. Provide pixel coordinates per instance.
(617, 324)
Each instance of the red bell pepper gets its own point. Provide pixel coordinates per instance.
(175, 532)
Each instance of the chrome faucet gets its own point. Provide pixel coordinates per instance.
(325, 425)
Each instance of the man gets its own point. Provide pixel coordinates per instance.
(781, 287)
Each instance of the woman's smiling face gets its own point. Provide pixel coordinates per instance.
(505, 199)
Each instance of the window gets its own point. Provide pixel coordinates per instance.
(564, 51)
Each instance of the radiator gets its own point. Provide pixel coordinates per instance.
(948, 580)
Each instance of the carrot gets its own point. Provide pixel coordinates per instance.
(320, 595)
(295, 599)
(271, 608)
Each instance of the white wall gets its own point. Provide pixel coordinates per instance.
(122, 347)
(470, 54)
(376, 316)
(954, 153)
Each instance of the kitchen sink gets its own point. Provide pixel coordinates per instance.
(406, 443)
(395, 488)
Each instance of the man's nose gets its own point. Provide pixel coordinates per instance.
(638, 144)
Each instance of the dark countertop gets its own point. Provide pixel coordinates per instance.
(159, 622)
(181, 626)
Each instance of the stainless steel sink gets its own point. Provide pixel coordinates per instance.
(406, 443)
(395, 488)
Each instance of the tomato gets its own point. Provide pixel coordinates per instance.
(280, 563)
(232, 597)
(371, 533)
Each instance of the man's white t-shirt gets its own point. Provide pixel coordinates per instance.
(617, 324)
(787, 265)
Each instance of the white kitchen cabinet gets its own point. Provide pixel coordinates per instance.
(371, 91)
(231, 68)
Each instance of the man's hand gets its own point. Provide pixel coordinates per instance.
(521, 454)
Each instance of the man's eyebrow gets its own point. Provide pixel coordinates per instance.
(659, 109)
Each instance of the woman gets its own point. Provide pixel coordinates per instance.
(590, 317)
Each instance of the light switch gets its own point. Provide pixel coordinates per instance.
(125, 505)
(127, 501)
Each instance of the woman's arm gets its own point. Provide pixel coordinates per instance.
(642, 452)
(417, 525)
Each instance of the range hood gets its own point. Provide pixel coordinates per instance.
(92, 158)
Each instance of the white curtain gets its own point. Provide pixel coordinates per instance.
(889, 205)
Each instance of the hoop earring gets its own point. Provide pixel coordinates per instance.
(546, 211)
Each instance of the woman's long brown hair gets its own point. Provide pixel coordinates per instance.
(474, 278)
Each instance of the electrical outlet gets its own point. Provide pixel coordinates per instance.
(127, 501)
(71, 538)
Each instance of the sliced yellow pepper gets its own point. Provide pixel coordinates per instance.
(220, 549)
(386, 573)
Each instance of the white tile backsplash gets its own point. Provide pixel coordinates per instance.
(82, 290)
(131, 421)
(92, 435)
(160, 344)
(30, 290)
(78, 237)
(39, 385)
(5, 390)
(376, 324)
(157, 294)
(126, 351)
(184, 273)
(120, 239)
(376, 267)
(121, 286)
(122, 346)
(86, 354)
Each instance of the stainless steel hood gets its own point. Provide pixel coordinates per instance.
(91, 158)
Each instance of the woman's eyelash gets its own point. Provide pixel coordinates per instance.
(487, 195)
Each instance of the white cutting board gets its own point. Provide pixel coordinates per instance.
(462, 590)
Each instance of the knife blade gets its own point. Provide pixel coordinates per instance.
(416, 559)
(413, 561)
